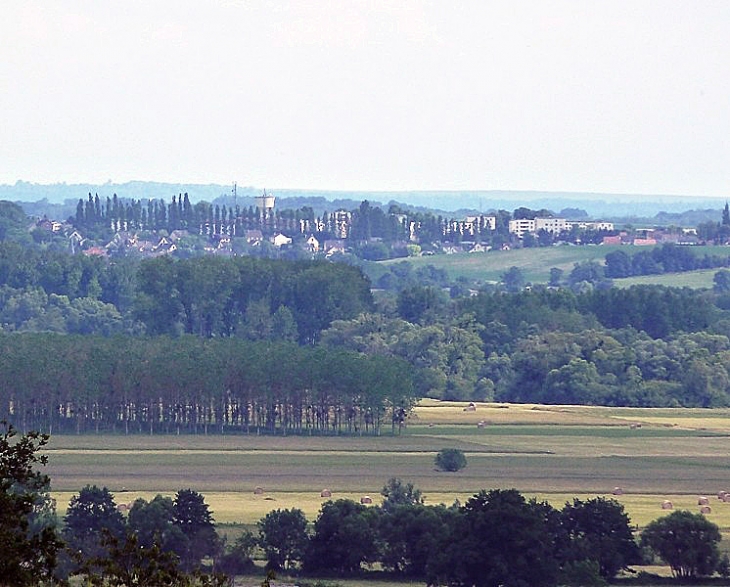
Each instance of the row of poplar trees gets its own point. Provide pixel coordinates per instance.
(187, 384)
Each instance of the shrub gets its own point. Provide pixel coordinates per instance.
(450, 459)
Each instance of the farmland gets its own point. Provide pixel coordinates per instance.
(701, 279)
(553, 453)
(536, 263)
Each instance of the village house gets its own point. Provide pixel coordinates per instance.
(95, 252)
(312, 244)
(164, 247)
(280, 240)
(253, 237)
(333, 246)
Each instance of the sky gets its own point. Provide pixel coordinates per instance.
(619, 96)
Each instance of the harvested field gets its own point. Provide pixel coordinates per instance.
(550, 452)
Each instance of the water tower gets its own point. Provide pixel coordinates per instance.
(265, 203)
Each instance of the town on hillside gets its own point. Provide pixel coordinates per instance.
(155, 228)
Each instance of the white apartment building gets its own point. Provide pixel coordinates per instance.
(471, 223)
(553, 225)
(591, 225)
(521, 226)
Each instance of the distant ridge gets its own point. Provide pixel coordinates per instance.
(596, 204)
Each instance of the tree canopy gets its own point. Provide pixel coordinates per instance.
(686, 541)
(28, 542)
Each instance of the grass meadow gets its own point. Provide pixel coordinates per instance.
(553, 453)
(536, 263)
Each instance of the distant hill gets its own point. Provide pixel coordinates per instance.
(59, 200)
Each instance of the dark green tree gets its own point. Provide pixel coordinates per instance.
(556, 275)
(721, 281)
(411, 535)
(28, 543)
(588, 271)
(418, 304)
(198, 537)
(126, 562)
(687, 542)
(283, 537)
(618, 264)
(237, 559)
(283, 325)
(513, 279)
(345, 537)
(498, 538)
(600, 530)
(13, 222)
(397, 493)
(152, 522)
(91, 516)
(450, 459)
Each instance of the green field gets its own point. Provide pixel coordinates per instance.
(702, 279)
(554, 453)
(536, 263)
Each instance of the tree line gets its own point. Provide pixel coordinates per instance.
(162, 385)
(584, 343)
(668, 258)
(639, 346)
(242, 296)
(642, 346)
(496, 537)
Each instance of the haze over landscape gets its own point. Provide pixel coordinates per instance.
(621, 97)
(416, 292)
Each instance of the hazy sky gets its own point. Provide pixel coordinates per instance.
(605, 96)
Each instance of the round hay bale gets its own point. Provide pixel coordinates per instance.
(480, 424)
(667, 505)
(618, 491)
(366, 499)
(705, 509)
(258, 491)
(721, 495)
(726, 499)
(702, 500)
(430, 424)
(325, 493)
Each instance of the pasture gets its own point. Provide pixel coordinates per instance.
(553, 453)
(701, 279)
(536, 263)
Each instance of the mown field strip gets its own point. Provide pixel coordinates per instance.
(367, 472)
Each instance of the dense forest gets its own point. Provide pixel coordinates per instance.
(160, 329)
